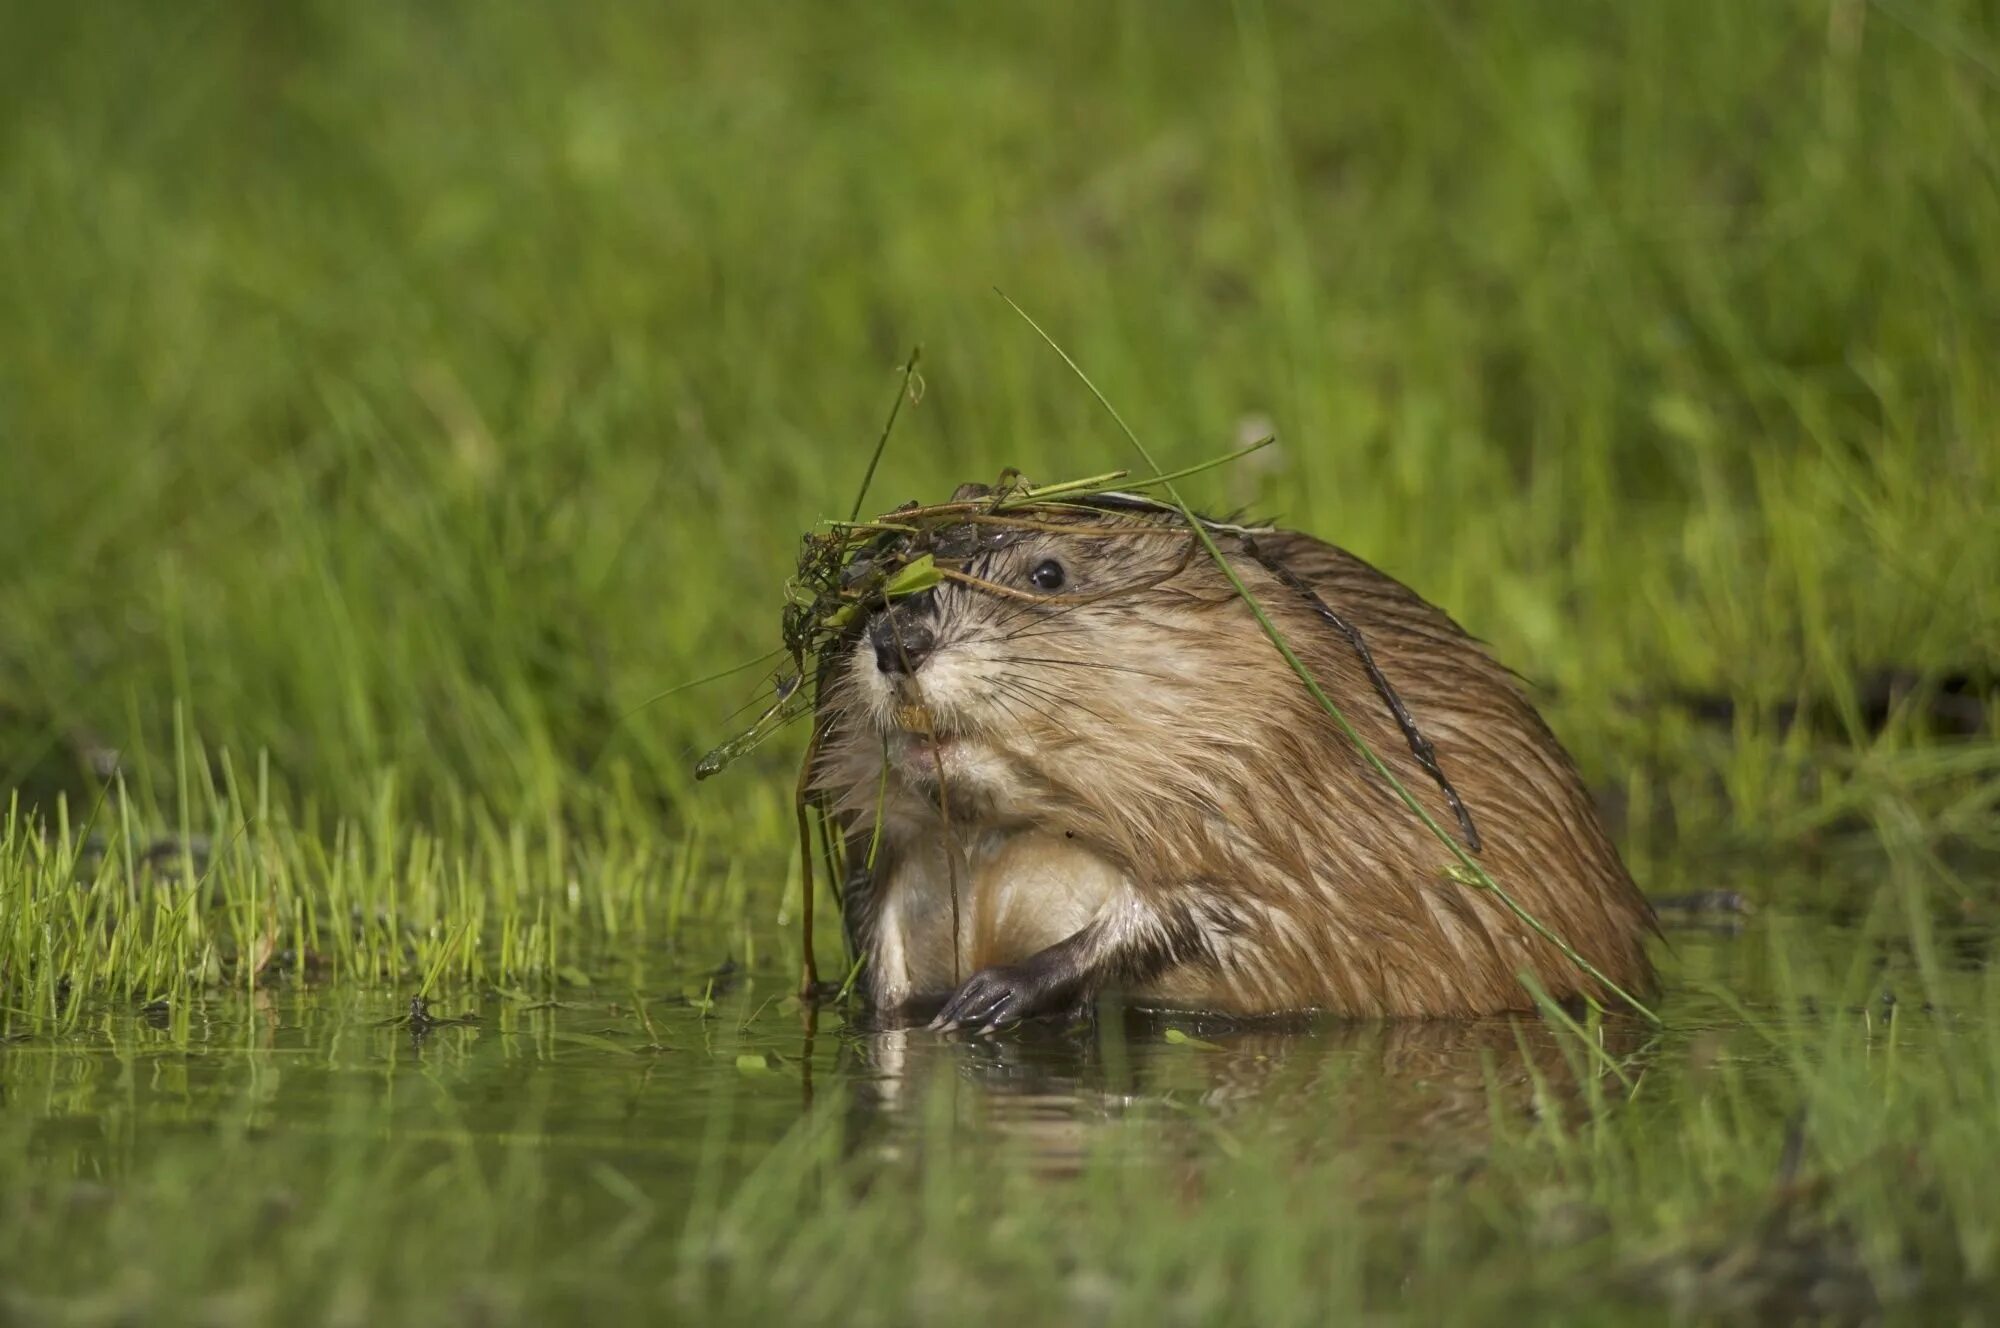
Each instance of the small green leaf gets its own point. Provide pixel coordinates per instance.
(918, 574)
(1180, 1039)
(751, 1062)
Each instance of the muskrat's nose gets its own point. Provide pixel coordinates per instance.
(902, 643)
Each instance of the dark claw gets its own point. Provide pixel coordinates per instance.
(993, 997)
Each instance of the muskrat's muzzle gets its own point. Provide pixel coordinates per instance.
(905, 634)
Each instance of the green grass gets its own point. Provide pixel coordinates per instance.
(395, 402)
(418, 396)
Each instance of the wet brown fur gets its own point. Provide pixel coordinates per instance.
(1154, 739)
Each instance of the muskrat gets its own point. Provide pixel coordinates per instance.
(1079, 764)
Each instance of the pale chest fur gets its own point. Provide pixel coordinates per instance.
(1017, 892)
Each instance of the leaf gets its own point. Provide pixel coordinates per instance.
(751, 1062)
(913, 577)
(1180, 1039)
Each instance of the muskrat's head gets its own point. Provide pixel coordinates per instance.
(1057, 641)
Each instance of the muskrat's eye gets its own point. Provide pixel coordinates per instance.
(1048, 575)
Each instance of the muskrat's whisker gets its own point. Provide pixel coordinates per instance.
(1049, 625)
(1006, 703)
(1053, 662)
(1019, 612)
(1045, 708)
(1014, 703)
(840, 710)
(763, 698)
(1057, 698)
(1009, 685)
(1048, 634)
(1021, 707)
(1033, 619)
(1069, 604)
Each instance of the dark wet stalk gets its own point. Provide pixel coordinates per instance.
(881, 805)
(802, 804)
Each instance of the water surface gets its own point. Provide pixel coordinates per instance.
(719, 1065)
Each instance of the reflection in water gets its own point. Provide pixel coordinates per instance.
(666, 1128)
(1434, 1086)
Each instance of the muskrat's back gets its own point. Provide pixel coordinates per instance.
(1101, 774)
(1414, 938)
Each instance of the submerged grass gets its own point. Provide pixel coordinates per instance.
(397, 407)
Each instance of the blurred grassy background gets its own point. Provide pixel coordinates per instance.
(396, 397)
(412, 391)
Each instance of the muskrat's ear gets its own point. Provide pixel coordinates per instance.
(968, 493)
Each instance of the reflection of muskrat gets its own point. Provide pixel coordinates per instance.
(1438, 1085)
(1100, 774)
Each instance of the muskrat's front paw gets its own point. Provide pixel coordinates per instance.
(996, 996)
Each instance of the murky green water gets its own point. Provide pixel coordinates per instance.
(670, 1137)
(714, 1070)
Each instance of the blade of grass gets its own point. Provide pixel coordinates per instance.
(1199, 467)
(888, 427)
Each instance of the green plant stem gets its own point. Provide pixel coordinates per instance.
(888, 427)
